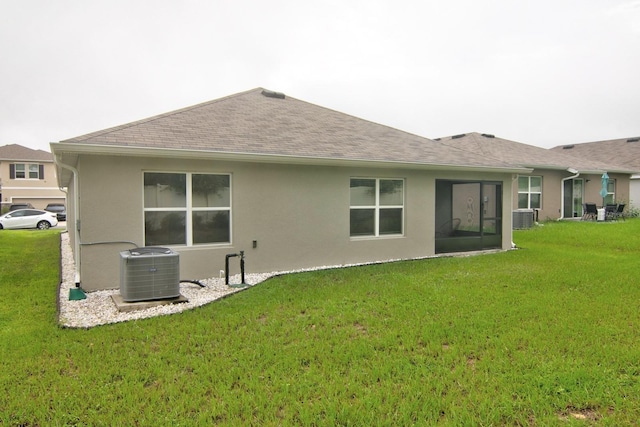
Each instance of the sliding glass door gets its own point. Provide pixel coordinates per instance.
(572, 203)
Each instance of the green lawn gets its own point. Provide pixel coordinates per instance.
(545, 335)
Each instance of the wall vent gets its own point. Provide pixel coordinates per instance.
(272, 94)
(149, 273)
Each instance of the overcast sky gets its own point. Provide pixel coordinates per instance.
(543, 72)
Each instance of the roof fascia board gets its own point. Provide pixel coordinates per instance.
(582, 171)
(601, 171)
(25, 160)
(94, 149)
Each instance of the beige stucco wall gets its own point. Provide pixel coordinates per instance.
(622, 188)
(552, 195)
(298, 215)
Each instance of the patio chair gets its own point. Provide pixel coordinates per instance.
(619, 212)
(610, 211)
(590, 211)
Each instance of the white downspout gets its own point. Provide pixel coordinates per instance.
(76, 217)
(514, 177)
(574, 176)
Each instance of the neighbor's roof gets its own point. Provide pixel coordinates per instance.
(265, 124)
(625, 151)
(527, 155)
(19, 153)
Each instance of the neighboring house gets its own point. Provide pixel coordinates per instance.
(28, 176)
(625, 152)
(559, 184)
(291, 184)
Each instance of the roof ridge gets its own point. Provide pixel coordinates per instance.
(475, 136)
(481, 146)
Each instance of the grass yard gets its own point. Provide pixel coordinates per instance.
(545, 335)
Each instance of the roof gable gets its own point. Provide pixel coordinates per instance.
(265, 123)
(20, 153)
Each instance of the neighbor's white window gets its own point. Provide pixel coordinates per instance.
(20, 171)
(376, 207)
(529, 192)
(26, 170)
(186, 208)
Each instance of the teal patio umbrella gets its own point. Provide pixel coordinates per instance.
(605, 185)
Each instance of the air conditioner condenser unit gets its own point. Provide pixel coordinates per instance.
(522, 219)
(149, 273)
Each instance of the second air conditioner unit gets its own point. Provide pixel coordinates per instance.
(522, 219)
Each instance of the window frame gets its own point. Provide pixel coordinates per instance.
(20, 171)
(377, 207)
(189, 209)
(34, 171)
(529, 192)
(611, 195)
(27, 171)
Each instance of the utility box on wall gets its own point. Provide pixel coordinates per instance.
(149, 273)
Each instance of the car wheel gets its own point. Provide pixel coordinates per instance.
(43, 225)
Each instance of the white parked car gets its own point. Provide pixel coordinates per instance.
(28, 218)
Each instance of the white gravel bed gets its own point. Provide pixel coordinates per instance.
(99, 309)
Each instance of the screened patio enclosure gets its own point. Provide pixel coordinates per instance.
(468, 216)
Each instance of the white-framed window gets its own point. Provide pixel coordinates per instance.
(20, 171)
(611, 192)
(186, 208)
(529, 192)
(26, 171)
(376, 207)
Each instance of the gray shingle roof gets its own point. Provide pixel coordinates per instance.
(252, 123)
(528, 155)
(625, 151)
(19, 153)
